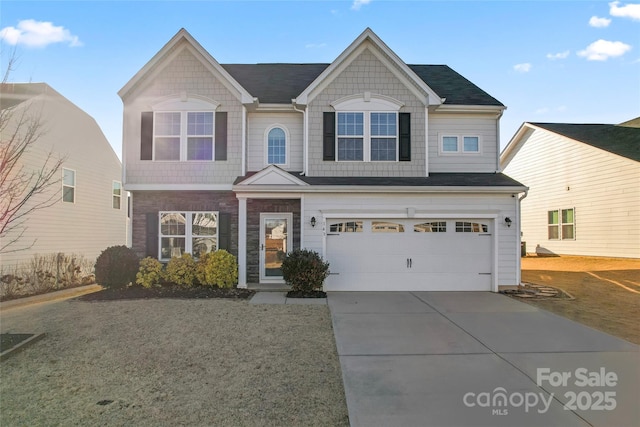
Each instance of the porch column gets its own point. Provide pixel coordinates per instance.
(242, 242)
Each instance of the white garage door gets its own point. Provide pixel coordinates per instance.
(409, 255)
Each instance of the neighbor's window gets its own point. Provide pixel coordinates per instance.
(68, 185)
(459, 144)
(568, 224)
(183, 135)
(192, 232)
(346, 227)
(277, 147)
(553, 230)
(116, 194)
(351, 136)
(431, 227)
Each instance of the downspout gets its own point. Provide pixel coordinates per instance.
(498, 169)
(244, 141)
(305, 139)
(519, 237)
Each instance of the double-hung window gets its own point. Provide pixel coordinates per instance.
(459, 144)
(367, 136)
(68, 185)
(183, 135)
(116, 195)
(191, 232)
(561, 224)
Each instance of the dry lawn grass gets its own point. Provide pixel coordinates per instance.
(606, 291)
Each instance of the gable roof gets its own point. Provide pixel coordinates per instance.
(280, 83)
(621, 140)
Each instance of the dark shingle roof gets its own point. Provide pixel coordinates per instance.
(621, 140)
(433, 180)
(280, 83)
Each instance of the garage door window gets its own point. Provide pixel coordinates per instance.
(346, 227)
(471, 227)
(431, 227)
(386, 227)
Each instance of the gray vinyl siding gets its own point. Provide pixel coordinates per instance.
(481, 125)
(257, 125)
(184, 74)
(89, 225)
(367, 73)
(604, 189)
(434, 206)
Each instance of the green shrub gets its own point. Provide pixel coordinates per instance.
(181, 270)
(217, 268)
(150, 273)
(116, 267)
(304, 270)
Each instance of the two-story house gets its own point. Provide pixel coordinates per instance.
(390, 171)
(85, 207)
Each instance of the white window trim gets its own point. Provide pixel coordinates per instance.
(185, 103)
(368, 103)
(74, 186)
(287, 144)
(460, 150)
(562, 224)
(113, 194)
(184, 136)
(188, 230)
(366, 137)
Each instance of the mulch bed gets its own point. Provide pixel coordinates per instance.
(306, 294)
(167, 291)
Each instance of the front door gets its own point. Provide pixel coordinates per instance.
(275, 242)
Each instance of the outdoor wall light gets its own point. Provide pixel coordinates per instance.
(508, 221)
(313, 221)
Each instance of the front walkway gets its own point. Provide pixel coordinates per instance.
(478, 359)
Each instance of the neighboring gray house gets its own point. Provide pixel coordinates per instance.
(584, 181)
(90, 209)
(390, 171)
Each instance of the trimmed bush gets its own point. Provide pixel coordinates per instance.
(304, 270)
(218, 268)
(181, 270)
(150, 273)
(116, 267)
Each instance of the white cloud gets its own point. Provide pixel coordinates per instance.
(559, 55)
(33, 33)
(627, 11)
(601, 50)
(599, 22)
(357, 4)
(522, 68)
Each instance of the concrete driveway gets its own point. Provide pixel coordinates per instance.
(478, 359)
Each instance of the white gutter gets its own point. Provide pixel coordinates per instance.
(305, 138)
(498, 170)
(373, 189)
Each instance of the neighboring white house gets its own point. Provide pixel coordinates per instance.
(584, 181)
(90, 209)
(390, 171)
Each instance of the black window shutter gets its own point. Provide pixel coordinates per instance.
(221, 135)
(146, 136)
(329, 136)
(152, 235)
(224, 231)
(405, 137)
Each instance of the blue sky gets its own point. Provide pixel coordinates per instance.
(547, 61)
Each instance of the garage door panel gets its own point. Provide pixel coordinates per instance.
(379, 258)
